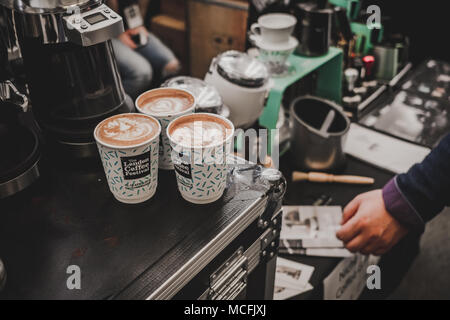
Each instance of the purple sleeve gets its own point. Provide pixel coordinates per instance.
(400, 208)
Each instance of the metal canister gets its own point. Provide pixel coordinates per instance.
(313, 149)
(391, 56)
(313, 30)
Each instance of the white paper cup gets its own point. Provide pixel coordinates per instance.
(201, 172)
(165, 160)
(131, 171)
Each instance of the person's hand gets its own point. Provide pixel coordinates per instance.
(126, 39)
(367, 227)
(138, 30)
(126, 36)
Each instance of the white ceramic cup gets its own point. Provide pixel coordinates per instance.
(131, 170)
(274, 27)
(201, 171)
(165, 161)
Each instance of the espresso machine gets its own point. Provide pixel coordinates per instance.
(70, 67)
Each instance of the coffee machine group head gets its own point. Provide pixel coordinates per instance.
(70, 66)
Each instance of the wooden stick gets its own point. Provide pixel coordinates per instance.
(330, 178)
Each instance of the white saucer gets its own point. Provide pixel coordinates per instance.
(270, 46)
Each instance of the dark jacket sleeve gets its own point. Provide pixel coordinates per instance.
(420, 194)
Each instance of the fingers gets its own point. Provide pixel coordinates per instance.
(372, 248)
(138, 30)
(380, 252)
(379, 246)
(350, 209)
(144, 29)
(357, 243)
(349, 230)
(386, 241)
(133, 31)
(131, 43)
(125, 38)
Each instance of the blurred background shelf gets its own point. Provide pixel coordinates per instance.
(194, 29)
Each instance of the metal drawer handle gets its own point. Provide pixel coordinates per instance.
(234, 285)
(239, 265)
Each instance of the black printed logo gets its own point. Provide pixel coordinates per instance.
(136, 167)
(183, 169)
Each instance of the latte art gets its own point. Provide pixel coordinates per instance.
(123, 129)
(127, 130)
(199, 133)
(200, 130)
(166, 105)
(165, 101)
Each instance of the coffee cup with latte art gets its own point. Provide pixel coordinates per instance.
(201, 143)
(165, 104)
(129, 149)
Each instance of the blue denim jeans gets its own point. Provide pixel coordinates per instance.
(138, 67)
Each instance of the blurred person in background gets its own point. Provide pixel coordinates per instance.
(142, 58)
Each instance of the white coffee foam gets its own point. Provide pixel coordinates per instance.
(199, 133)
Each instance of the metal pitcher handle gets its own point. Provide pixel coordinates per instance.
(2, 275)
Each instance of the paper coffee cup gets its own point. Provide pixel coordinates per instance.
(201, 170)
(129, 149)
(166, 104)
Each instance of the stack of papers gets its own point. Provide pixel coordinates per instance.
(311, 230)
(291, 279)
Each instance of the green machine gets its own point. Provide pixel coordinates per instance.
(328, 68)
(328, 86)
